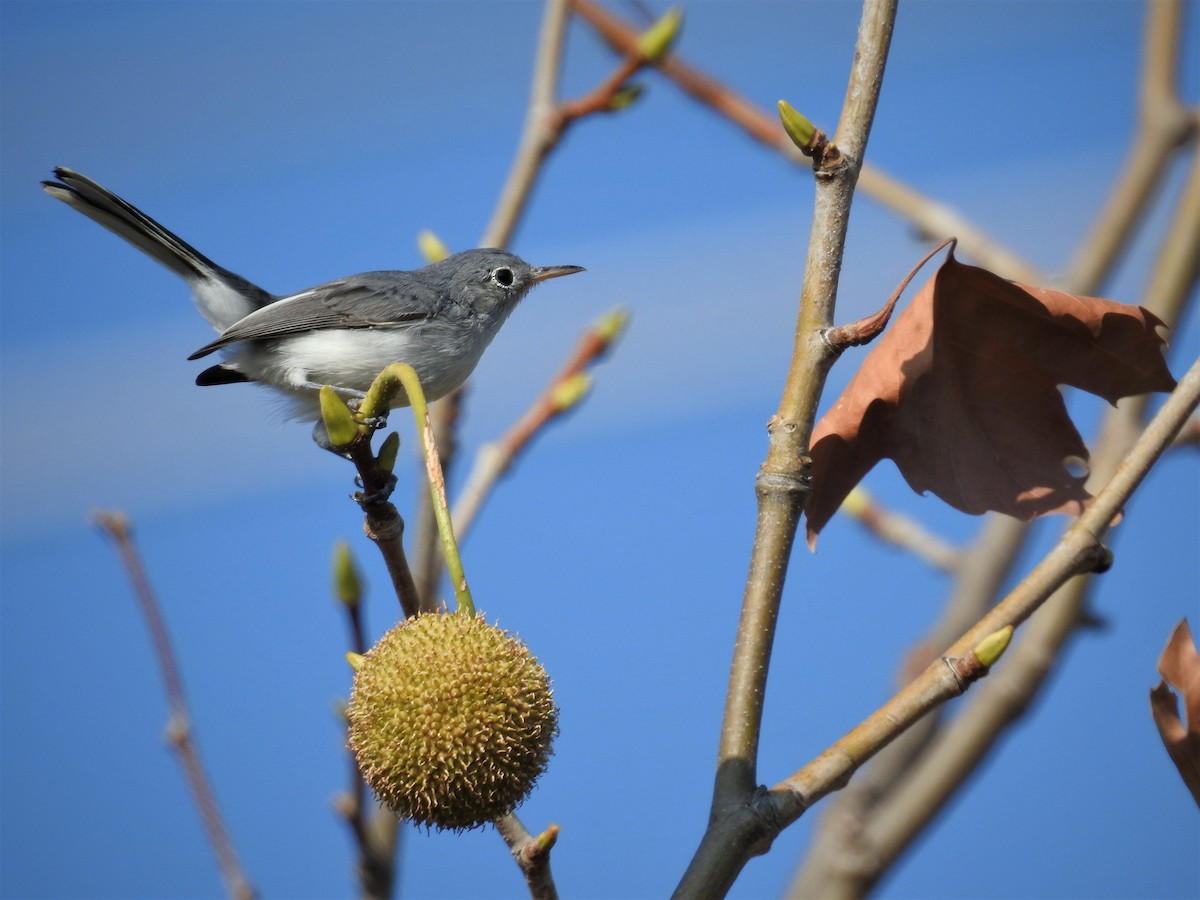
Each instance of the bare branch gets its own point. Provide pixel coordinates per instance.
(959, 750)
(538, 138)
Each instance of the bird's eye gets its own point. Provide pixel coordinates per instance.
(503, 276)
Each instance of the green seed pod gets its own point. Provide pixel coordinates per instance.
(451, 720)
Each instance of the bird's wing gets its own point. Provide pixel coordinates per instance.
(374, 300)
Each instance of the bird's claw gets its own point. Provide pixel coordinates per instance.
(375, 423)
(379, 495)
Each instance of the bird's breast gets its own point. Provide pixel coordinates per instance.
(351, 358)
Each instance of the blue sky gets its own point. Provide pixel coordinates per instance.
(299, 142)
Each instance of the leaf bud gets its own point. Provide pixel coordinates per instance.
(339, 422)
(347, 583)
(993, 646)
(798, 128)
(655, 42)
(432, 247)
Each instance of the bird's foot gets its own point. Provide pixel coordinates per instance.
(379, 495)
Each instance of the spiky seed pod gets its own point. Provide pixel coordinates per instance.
(451, 720)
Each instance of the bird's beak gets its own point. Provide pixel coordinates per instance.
(541, 273)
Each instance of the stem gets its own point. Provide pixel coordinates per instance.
(781, 483)
(403, 376)
(427, 551)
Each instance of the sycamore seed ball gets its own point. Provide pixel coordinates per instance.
(451, 720)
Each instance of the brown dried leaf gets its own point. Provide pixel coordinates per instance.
(1179, 666)
(963, 394)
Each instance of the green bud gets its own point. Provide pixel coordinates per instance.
(857, 502)
(992, 647)
(655, 42)
(347, 583)
(432, 247)
(625, 95)
(356, 660)
(610, 326)
(547, 839)
(570, 391)
(798, 128)
(339, 422)
(388, 450)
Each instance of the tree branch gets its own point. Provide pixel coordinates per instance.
(931, 218)
(538, 139)
(1164, 125)
(1078, 551)
(179, 729)
(781, 485)
(532, 854)
(562, 393)
(963, 746)
(845, 862)
(383, 525)
(858, 827)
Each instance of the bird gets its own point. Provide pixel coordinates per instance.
(439, 319)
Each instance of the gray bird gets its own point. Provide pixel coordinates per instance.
(438, 319)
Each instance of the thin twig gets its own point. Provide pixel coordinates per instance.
(536, 142)
(1164, 124)
(837, 847)
(538, 138)
(899, 530)
(931, 218)
(495, 459)
(862, 828)
(179, 729)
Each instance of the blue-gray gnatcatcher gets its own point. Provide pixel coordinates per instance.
(438, 319)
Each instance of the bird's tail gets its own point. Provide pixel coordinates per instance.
(221, 296)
